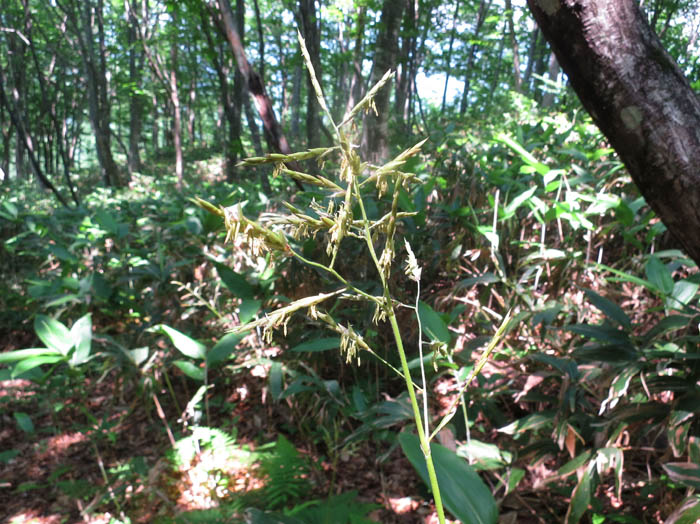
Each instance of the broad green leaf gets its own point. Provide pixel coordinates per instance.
(683, 292)
(235, 282)
(463, 492)
(52, 333)
(318, 344)
(529, 422)
(223, 348)
(688, 512)
(686, 473)
(574, 464)
(609, 308)
(618, 388)
(487, 456)
(524, 155)
(81, 334)
(611, 458)
(189, 369)
(24, 422)
(580, 498)
(248, 309)
(659, 275)
(514, 204)
(21, 354)
(666, 325)
(32, 362)
(187, 346)
(432, 323)
(603, 333)
(276, 380)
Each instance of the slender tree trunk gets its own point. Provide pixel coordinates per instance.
(448, 59)
(548, 97)
(23, 136)
(484, 6)
(376, 129)
(517, 81)
(638, 97)
(312, 37)
(177, 110)
(82, 17)
(404, 82)
(135, 98)
(357, 82)
(273, 131)
(531, 58)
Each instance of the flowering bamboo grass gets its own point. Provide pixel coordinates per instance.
(336, 222)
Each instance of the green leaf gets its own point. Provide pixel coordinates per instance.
(688, 512)
(189, 369)
(24, 422)
(54, 334)
(683, 292)
(486, 456)
(81, 334)
(666, 325)
(514, 204)
(580, 499)
(21, 354)
(276, 380)
(659, 275)
(235, 282)
(686, 473)
(609, 308)
(603, 333)
(248, 309)
(30, 363)
(187, 346)
(464, 494)
(529, 422)
(432, 323)
(318, 344)
(223, 348)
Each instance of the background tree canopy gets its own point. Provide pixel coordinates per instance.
(351, 261)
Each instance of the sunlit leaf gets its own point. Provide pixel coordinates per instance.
(53, 333)
(463, 492)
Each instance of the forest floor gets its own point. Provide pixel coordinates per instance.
(52, 479)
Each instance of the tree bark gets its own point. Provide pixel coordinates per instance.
(135, 97)
(448, 59)
(484, 6)
(639, 99)
(376, 126)
(312, 36)
(273, 131)
(82, 18)
(517, 80)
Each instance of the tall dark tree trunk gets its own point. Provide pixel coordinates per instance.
(135, 98)
(448, 58)
(273, 131)
(376, 126)
(357, 82)
(312, 36)
(639, 99)
(517, 80)
(405, 77)
(553, 66)
(23, 136)
(86, 21)
(175, 102)
(484, 6)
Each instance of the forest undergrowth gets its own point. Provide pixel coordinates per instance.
(130, 393)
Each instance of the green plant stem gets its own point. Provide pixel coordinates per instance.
(424, 443)
(389, 308)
